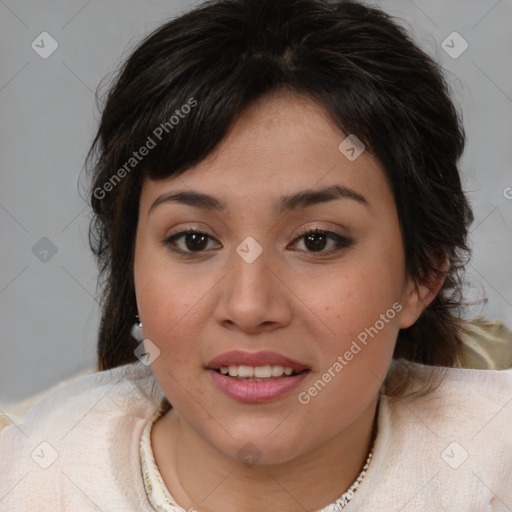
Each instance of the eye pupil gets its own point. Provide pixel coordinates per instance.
(195, 237)
(320, 241)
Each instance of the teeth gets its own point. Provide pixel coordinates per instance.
(277, 371)
(260, 372)
(263, 372)
(243, 371)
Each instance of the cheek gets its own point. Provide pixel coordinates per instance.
(345, 300)
(171, 301)
(363, 328)
(168, 306)
(355, 314)
(360, 309)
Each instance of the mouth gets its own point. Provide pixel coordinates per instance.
(256, 377)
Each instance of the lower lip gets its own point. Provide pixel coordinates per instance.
(256, 391)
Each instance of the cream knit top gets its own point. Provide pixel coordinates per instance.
(84, 446)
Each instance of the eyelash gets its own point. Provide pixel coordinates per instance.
(342, 242)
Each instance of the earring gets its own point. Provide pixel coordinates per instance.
(136, 331)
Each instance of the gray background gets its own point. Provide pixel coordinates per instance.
(48, 311)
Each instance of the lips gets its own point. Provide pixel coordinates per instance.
(260, 389)
(262, 358)
(256, 392)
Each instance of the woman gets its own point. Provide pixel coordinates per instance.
(279, 223)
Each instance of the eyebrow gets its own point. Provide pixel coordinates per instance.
(290, 202)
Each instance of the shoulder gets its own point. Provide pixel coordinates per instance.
(461, 399)
(14, 411)
(464, 404)
(123, 388)
(457, 436)
(75, 434)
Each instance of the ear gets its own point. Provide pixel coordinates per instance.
(418, 295)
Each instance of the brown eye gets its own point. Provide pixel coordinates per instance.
(188, 241)
(316, 240)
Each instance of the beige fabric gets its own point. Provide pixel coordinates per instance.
(78, 448)
(487, 345)
(13, 413)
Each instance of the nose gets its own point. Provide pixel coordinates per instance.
(253, 296)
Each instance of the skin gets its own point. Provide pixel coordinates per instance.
(291, 299)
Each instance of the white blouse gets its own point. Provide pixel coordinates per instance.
(86, 446)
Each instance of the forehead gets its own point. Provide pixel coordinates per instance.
(279, 145)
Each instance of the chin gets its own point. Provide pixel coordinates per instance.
(259, 449)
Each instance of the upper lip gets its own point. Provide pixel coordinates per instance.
(263, 358)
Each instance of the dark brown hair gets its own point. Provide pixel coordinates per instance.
(223, 55)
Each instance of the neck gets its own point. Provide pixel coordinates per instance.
(201, 477)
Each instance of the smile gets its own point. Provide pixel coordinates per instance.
(255, 377)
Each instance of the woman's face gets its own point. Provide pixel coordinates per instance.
(251, 281)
